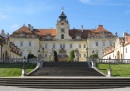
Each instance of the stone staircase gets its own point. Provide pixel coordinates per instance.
(66, 82)
(66, 69)
(66, 75)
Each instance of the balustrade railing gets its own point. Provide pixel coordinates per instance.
(125, 61)
(114, 61)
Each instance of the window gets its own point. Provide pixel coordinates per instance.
(21, 53)
(45, 45)
(96, 43)
(110, 43)
(39, 55)
(45, 55)
(70, 45)
(84, 45)
(29, 43)
(21, 43)
(63, 45)
(97, 53)
(53, 45)
(126, 50)
(84, 55)
(60, 45)
(103, 44)
(40, 45)
(79, 45)
(62, 36)
(62, 30)
(80, 55)
(126, 39)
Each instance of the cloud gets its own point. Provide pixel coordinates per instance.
(85, 1)
(103, 2)
(29, 7)
(93, 1)
(3, 16)
(14, 26)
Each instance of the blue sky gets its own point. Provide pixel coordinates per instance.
(114, 15)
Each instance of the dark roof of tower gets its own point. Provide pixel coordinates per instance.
(62, 16)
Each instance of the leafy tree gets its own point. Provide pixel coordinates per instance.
(56, 58)
(94, 56)
(72, 56)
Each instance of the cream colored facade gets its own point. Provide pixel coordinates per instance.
(101, 44)
(43, 41)
(69, 45)
(114, 51)
(8, 50)
(26, 45)
(120, 49)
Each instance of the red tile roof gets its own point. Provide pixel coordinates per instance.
(72, 32)
(97, 32)
(43, 32)
(101, 29)
(23, 29)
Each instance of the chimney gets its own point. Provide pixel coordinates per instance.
(30, 27)
(125, 34)
(100, 25)
(82, 28)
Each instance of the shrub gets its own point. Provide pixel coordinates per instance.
(72, 56)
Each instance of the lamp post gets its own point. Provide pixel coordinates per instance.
(109, 63)
(123, 41)
(39, 55)
(43, 53)
(109, 69)
(23, 69)
(87, 51)
(24, 59)
(93, 63)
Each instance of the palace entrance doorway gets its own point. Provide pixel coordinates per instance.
(62, 56)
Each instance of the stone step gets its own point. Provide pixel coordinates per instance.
(66, 69)
(69, 83)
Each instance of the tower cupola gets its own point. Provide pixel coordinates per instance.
(62, 17)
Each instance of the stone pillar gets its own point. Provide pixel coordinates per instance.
(23, 72)
(93, 64)
(109, 73)
(40, 64)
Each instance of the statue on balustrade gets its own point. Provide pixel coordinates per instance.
(76, 53)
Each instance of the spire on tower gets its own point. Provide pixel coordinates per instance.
(62, 9)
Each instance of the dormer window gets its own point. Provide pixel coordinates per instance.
(22, 34)
(62, 30)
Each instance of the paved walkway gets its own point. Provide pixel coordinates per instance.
(7, 88)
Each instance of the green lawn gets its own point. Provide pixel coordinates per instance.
(122, 70)
(14, 69)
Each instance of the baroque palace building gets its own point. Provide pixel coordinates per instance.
(120, 49)
(9, 52)
(62, 39)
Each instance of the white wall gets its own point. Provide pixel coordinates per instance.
(127, 55)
